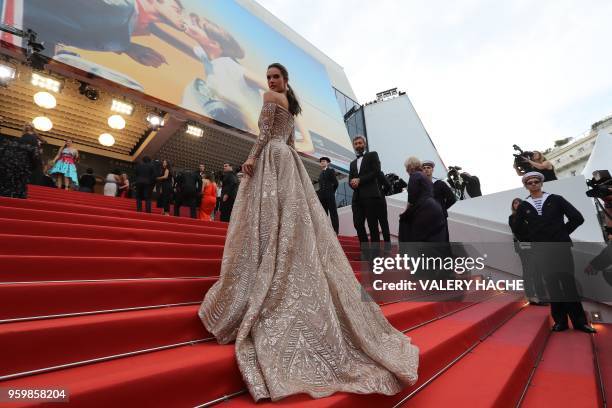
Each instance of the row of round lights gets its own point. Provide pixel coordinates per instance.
(46, 100)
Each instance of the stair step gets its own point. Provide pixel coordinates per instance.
(501, 366)
(58, 229)
(566, 375)
(31, 268)
(22, 300)
(123, 332)
(70, 208)
(603, 350)
(205, 372)
(32, 345)
(28, 214)
(31, 244)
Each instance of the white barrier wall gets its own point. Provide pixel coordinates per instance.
(395, 131)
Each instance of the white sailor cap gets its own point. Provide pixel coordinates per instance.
(532, 174)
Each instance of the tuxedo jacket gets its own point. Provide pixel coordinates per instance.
(443, 195)
(145, 173)
(229, 185)
(368, 177)
(327, 182)
(189, 182)
(551, 225)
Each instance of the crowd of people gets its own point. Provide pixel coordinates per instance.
(208, 196)
(425, 217)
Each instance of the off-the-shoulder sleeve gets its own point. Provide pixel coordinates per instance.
(266, 121)
(291, 139)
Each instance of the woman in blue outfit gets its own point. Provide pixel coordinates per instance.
(64, 170)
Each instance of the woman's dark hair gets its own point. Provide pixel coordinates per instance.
(294, 105)
(208, 176)
(116, 172)
(512, 205)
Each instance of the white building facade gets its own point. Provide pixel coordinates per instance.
(569, 160)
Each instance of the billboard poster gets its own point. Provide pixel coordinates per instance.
(209, 57)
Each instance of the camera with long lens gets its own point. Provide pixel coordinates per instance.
(395, 184)
(600, 185)
(454, 177)
(521, 159)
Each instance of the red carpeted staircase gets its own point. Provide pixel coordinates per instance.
(103, 301)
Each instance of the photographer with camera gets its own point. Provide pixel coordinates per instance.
(441, 192)
(525, 162)
(462, 183)
(601, 189)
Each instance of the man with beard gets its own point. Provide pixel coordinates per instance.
(367, 204)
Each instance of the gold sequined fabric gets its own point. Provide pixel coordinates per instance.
(287, 294)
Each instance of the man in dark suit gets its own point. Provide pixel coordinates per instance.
(87, 181)
(541, 215)
(367, 202)
(327, 191)
(32, 138)
(229, 190)
(188, 188)
(145, 179)
(441, 192)
(383, 218)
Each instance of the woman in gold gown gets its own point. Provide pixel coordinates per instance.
(287, 295)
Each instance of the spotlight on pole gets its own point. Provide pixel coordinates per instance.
(90, 93)
(155, 121)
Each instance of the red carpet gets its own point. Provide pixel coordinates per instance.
(566, 376)
(127, 282)
(501, 365)
(603, 347)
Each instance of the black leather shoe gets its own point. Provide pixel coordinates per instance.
(586, 328)
(534, 303)
(559, 327)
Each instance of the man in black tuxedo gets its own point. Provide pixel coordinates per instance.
(383, 218)
(327, 191)
(368, 201)
(541, 218)
(229, 190)
(145, 179)
(188, 188)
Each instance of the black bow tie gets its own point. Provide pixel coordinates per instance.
(359, 155)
